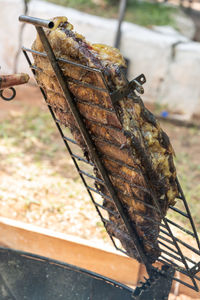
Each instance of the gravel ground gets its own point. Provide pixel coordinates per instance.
(39, 184)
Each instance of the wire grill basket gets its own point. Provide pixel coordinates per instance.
(180, 246)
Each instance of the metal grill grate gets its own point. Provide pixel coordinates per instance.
(177, 252)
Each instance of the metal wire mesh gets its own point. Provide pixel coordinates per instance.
(179, 244)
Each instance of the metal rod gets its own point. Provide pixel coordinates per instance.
(142, 202)
(122, 9)
(56, 120)
(121, 163)
(165, 245)
(179, 211)
(176, 244)
(69, 140)
(180, 269)
(107, 209)
(188, 246)
(82, 159)
(99, 193)
(165, 239)
(196, 268)
(76, 81)
(106, 126)
(36, 21)
(180, 227)
(100, 139)
(92, 177)
(65, 61)
(177, 268)
(185, 283)
(169, 263)
(168, 241)
(171, 255)
(85, 84)
(93, 121)
(147, 218)
(172, 250)
(181, 242)
(197, 277)
(119, 249)
(188, 212)
(111, 222)
(129, 182)
(165, 232)
(95, 105)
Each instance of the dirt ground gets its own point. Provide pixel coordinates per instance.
(36, 168)
(39, 184)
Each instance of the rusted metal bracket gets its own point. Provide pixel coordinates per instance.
(135, 84)
(157, 287)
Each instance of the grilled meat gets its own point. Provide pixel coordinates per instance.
(135, 151)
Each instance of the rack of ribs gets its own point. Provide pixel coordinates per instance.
(135, 151)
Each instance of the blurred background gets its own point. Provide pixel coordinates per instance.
(160, 39)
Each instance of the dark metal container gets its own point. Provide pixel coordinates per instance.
(32, 277)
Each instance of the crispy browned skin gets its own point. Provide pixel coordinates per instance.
(135, 151)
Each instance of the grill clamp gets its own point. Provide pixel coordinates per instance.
(157, 287)
(173, 258)
(135, 84)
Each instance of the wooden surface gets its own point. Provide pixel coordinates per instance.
(76, 251)
(68, 249)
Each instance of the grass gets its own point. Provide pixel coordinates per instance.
(148, 14)
(139, 12)
(30, 134)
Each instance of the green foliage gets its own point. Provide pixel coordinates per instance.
(72, 3)
(148, 13)
(28, 131)
(112, 2)
(139, 12)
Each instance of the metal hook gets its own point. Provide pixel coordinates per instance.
(135, 84)
(8, 98)
(139, 88)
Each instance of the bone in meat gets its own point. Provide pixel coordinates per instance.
(135, 151)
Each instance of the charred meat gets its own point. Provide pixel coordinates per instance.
(135, 151)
